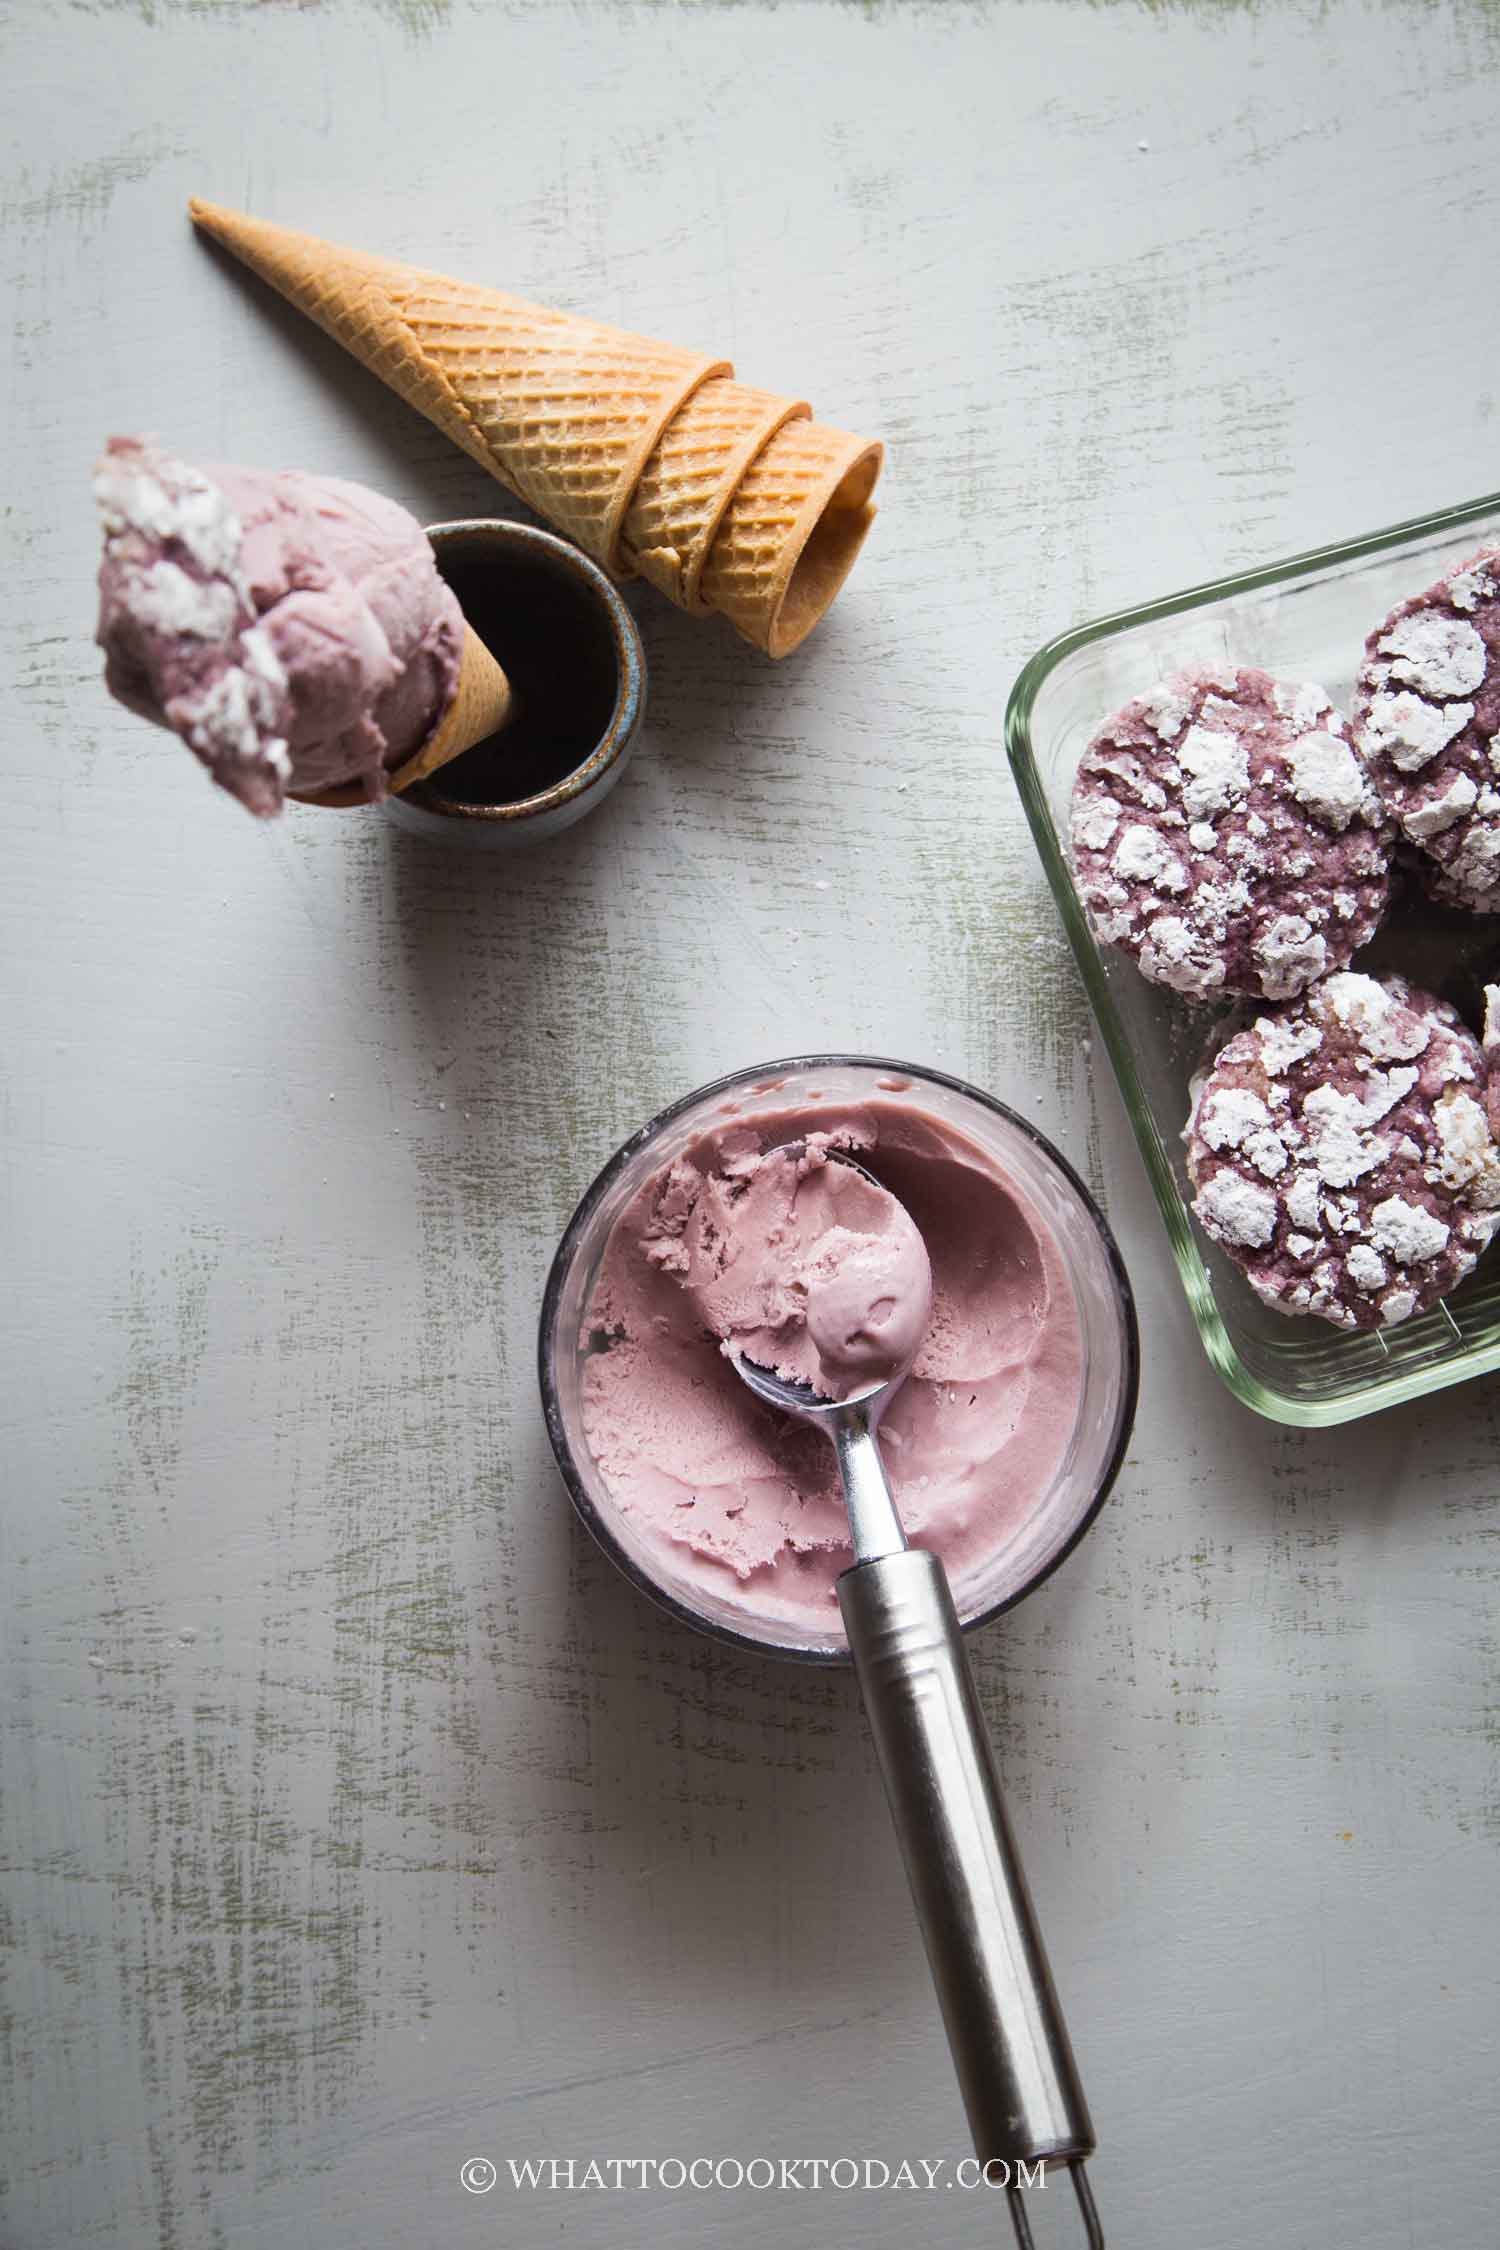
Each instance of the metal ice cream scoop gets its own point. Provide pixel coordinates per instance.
(1005, 2027)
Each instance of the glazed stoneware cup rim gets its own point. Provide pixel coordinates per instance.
(559, 1272)
(558, 556)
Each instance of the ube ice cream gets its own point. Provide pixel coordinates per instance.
(292, 629)
(743, 1502)
(798, 1262)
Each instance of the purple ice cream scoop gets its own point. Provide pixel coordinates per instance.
(293, 629)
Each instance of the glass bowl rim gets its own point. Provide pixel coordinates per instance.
(759, 1644)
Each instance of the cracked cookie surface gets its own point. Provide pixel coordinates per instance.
(1342, 1153)
(1226, 833)
(1427, 720)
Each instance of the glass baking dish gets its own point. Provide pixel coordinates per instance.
(1304, 619)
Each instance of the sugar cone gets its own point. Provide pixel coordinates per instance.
(650, 458)
(479, 707)
(790, 534)
(692, 476)
(565, 411)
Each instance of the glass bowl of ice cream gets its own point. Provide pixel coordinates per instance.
(1000, 1446)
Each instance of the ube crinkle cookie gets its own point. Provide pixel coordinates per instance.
(1490, 1042)
(1343, 1155)
(1225, 832)
(1426, 715)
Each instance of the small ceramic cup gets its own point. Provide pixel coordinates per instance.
(569, 647)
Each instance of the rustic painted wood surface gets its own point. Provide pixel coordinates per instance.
(357, 1819)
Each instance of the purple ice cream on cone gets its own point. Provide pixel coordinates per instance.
(293, 629)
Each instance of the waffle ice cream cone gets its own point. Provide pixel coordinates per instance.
(791, 533)
(564, 411)
(651, 458)
(692, 476)
(479, 707)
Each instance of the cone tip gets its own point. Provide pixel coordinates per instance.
(212, 218)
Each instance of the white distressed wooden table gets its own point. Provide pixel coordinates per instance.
(358, 1821)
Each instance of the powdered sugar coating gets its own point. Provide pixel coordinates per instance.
(1490, 1042)
(1427, 719)
(1343, 1155)
(1226, 833)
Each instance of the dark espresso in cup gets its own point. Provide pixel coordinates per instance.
(567, 644)
(556, 647)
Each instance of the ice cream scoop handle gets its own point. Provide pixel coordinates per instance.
(1005, 2028)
